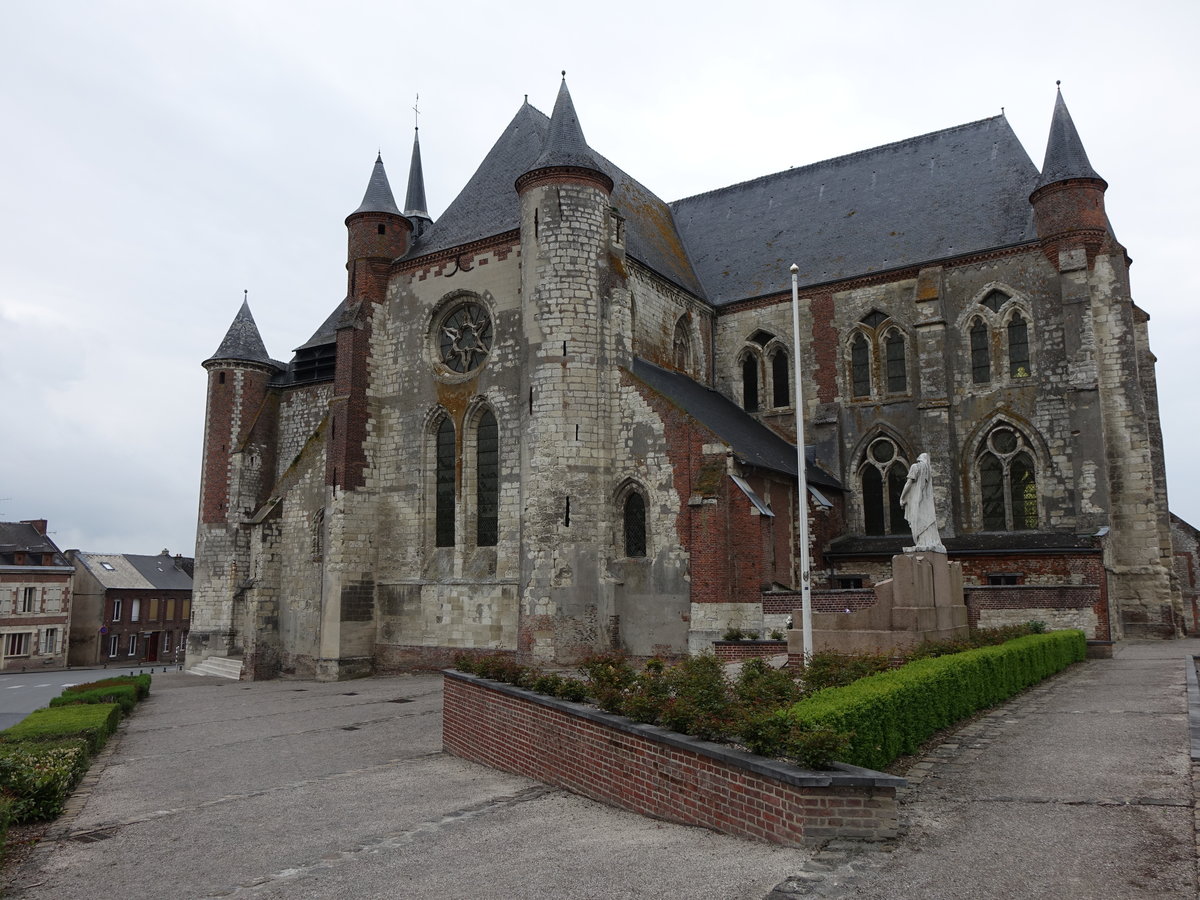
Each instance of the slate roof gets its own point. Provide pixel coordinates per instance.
(1065, 156)
(752, 442)
(130, 572)
(23, 537)
(326, 332)
(939, 195)
(488, 205)
(414, 202)
(565, 144)
(243, 341)
(378, 197)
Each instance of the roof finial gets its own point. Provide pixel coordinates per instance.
(1058, 83)
(417, 114)
(564, 74)
(245, 295)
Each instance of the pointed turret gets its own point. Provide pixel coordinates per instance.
(1068, 202)
(414, 202)
(378, 234)
(566, 152)
(1065, 157)
(242, 342)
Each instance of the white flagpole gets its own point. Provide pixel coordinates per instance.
(802, 478)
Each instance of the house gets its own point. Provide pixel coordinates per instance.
(130, 608)
(561, 417)
(35, 597)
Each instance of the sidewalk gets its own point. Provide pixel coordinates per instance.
(1080, 788)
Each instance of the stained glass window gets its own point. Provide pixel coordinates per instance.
(487, 494)
(444, 499)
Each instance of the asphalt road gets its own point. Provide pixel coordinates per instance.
(23, 692)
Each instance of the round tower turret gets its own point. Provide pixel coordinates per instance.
(378, 233)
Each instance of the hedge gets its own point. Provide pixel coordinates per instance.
(38, 776)
(140, 682)
(891, 714)
(124, 695)
(92, 722)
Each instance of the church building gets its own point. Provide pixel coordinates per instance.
(560, 418)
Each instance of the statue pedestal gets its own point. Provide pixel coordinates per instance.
(922, 601)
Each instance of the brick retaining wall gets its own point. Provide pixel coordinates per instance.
(735, 651)
(659, 773)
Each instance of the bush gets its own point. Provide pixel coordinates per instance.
(124, 695)
(761, 685)
(39, 777)
(6, 805)
(733, 634)
(833, 669)
(92, 722)
(141, 684)
(775, 733)
(699, 704)
(609, 677)
(891, 713)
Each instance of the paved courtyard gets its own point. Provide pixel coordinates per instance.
(1080, 788)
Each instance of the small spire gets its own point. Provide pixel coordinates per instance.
(378, 197)
(565, 144)
(242, 340)
(1065, 157)
(414, 201)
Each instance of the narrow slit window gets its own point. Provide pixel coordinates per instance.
(981, 356)
(750, 384)
(897, 371)
(1018, 347)
(860, 366)
(635, 525)
(487, 496)
(780, 386)
(444, 490)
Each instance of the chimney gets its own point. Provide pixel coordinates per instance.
(38, 525)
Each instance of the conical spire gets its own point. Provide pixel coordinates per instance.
(242, 340)
(378, 198)
(565, 144)
(1065, 156)
(414, 203)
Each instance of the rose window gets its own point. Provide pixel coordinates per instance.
(465, 337)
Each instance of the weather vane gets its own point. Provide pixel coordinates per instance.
(417, 113)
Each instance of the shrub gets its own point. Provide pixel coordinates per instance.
(38, 777)
(609, 676)
(699, 704)
(777, 635)
(92, 722)
(775, 733)
(140, 682)
(6, 805)
(648, 695)
(1036, 627)
(733, 634)
(761, 685)
(833, 669)
(124, 695)
(891, 713)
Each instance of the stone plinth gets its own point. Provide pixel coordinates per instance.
(922, 601)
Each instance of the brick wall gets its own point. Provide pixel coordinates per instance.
(658, 773)
(734, 651)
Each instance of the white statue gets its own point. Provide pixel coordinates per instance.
(917, 500)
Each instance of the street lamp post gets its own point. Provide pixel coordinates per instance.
(801, 476)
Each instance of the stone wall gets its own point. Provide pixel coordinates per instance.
(658, 773)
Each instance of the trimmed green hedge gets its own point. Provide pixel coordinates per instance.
(93, 722)
(38, 776)
(124, 695)
(893, 713)
(141, 684)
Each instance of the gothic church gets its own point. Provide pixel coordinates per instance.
(560, 418)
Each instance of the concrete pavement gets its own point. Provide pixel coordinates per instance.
(1080, 788)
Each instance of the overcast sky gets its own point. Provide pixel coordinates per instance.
(159, 158)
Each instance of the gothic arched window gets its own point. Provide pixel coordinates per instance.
(635, 524)
(860, 366)
(681, 346)
(882, 476)
(487, 483)
(750, 383)
(1018, 346)
(780, 386)
(897, 371)
(444, 465)
(1007, 483)
(981, 355)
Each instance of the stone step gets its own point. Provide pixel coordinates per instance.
(221, 666)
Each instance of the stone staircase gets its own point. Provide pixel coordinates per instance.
(221, 666)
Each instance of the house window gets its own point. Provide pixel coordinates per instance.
(186, 613)
(444, 488)
(49, 641)
(1003, 579)
(27, 598)
(116, 617)
(981, 357)
(780, 372)
(848, 582)
(487, 485)
(17, 643)
(1018, 346)
(182, 640)
(635, 525)
(170, 614)
(135, 610)
(897, 371)
(750, 383)
(881, 478)
(166, 642)
(133, 644)
(1007, 483)
(153, 616)
(113, 645)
